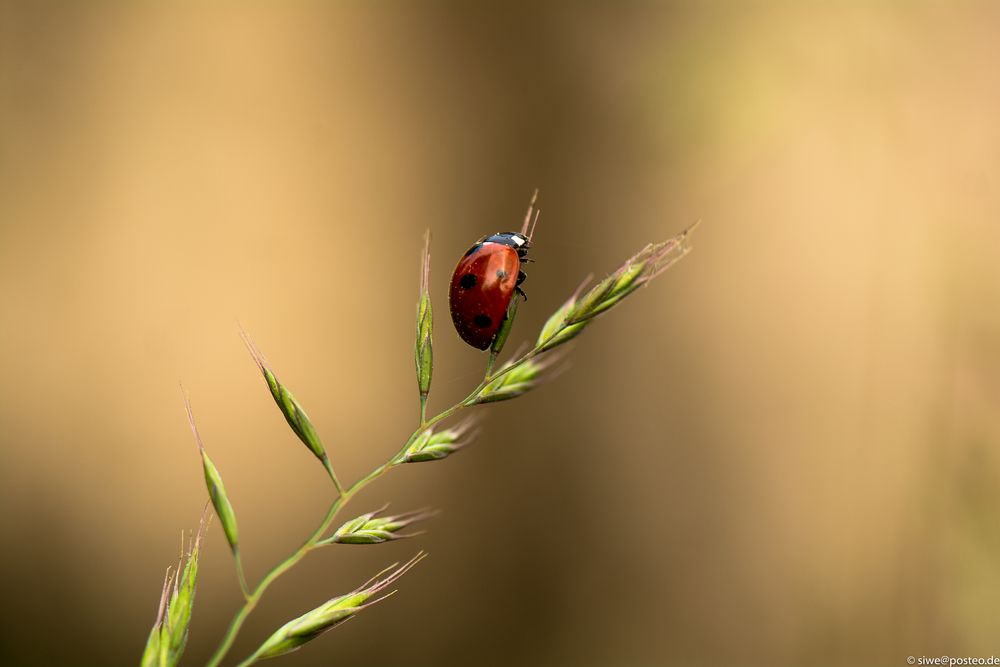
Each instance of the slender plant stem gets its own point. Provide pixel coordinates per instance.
(490, 363)
(333, 476)
(241, 574)
(252, 598)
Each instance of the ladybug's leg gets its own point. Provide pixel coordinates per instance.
(521, 292)
(517, 285)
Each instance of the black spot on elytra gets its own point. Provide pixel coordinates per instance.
(501, 275)
(482, 320)
(468, 281)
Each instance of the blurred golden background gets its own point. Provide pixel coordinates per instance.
(783, 452)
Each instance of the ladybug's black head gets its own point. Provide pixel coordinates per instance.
(518, 242)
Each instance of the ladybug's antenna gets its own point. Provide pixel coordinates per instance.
(528, 228)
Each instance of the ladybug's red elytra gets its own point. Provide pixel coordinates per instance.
(484, 281)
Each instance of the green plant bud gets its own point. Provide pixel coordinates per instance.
(220, 501)
(423, 349)
(633, 274)
(296, 417)
(297, 632)
(626, 278)
(182, 600)
(431, 446)
(504, 331)
(169, 635)
(558, 329)
(512, 383)
(563, 335)
(591, 299)
(556, 322)
(371, 528)
(216, 489)
(293, 411)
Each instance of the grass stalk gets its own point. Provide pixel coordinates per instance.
(333, 476)
(241, 574)
(253, 597)
(579, 311)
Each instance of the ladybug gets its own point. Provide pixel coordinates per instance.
(483, 284)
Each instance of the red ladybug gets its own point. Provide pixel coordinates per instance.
(484, 281)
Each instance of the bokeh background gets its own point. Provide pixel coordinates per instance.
(783, 452)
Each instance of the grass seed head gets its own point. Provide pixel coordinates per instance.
(434, 446)
(293, 411)
(169, 635)
(557, 322)
(521, 379)
(371, 528)
(423, 349)
(299, 631)
(504, 331)
(582, 307)
(216, 489)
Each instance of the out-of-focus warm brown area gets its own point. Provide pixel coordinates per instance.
(784, 452)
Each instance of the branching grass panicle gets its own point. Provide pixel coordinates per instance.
(428, 442)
